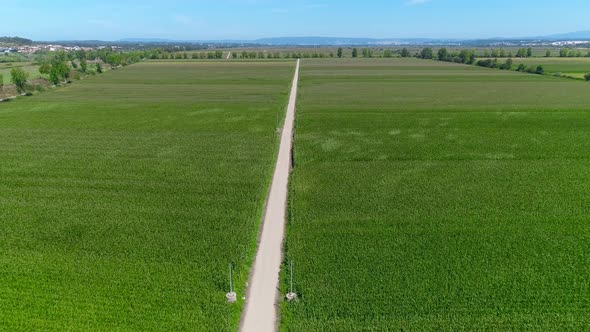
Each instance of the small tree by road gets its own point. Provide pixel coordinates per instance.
(340, 52)
(355, 53)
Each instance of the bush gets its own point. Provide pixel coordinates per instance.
(539, 70)
(521, 67)
(587, 77)
(489, 63)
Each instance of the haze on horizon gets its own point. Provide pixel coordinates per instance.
(252, 19)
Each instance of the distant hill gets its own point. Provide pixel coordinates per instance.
(15, 41)
(569, 36)
(145, 40)
(329, 41)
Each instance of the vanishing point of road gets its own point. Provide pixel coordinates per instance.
(260, 313)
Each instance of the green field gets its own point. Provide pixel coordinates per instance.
(433, 196)
(31, 69)
(124, 197)
(575, 67)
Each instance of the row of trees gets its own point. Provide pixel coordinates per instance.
(60, 65)
(469, 57)
(569, 53)
(493, 63)
(443, 54)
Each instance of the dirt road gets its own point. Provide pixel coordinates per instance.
(260, 313)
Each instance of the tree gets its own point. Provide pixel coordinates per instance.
(45, 69)
(405, 53)
(502, 53)
(387, 54)
(367, 53)
(98, 68)
(59, 70)
(486, 54)
(548, 54)
(588, 54)
(539, 70)
(355, 53)
(340, 52)
(521, 53)
(563, 53)
(529, 52)
(495, 53)
(1, 82)
(426, 53)
(587, 77)
(83, 65)
(19, 78)
(443, 53)
(507, 65)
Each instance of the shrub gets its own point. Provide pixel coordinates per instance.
(587, 77)
(521, 67)
(540, 70)
(19, 78)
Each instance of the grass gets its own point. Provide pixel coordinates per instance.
(574, 67)
(434, 196)
(31, 69)
(125, 196)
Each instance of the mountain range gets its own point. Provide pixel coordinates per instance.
(336, 41)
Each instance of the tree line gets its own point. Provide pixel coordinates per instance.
(60, 66)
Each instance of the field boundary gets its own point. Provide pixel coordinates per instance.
(260, 312)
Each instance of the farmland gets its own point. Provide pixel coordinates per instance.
(125, 196)
(433, 196)
(31, 69)
(575, 67)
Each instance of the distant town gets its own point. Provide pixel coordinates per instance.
(31, 49)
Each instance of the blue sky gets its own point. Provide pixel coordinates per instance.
(251, 19)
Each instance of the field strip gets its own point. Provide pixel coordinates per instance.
(260, 311)
(228, 55)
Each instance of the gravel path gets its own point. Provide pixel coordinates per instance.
(260, 314)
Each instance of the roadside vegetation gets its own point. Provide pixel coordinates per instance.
(52, 69)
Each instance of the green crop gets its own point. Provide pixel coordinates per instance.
(433, 196)
(124, 197)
